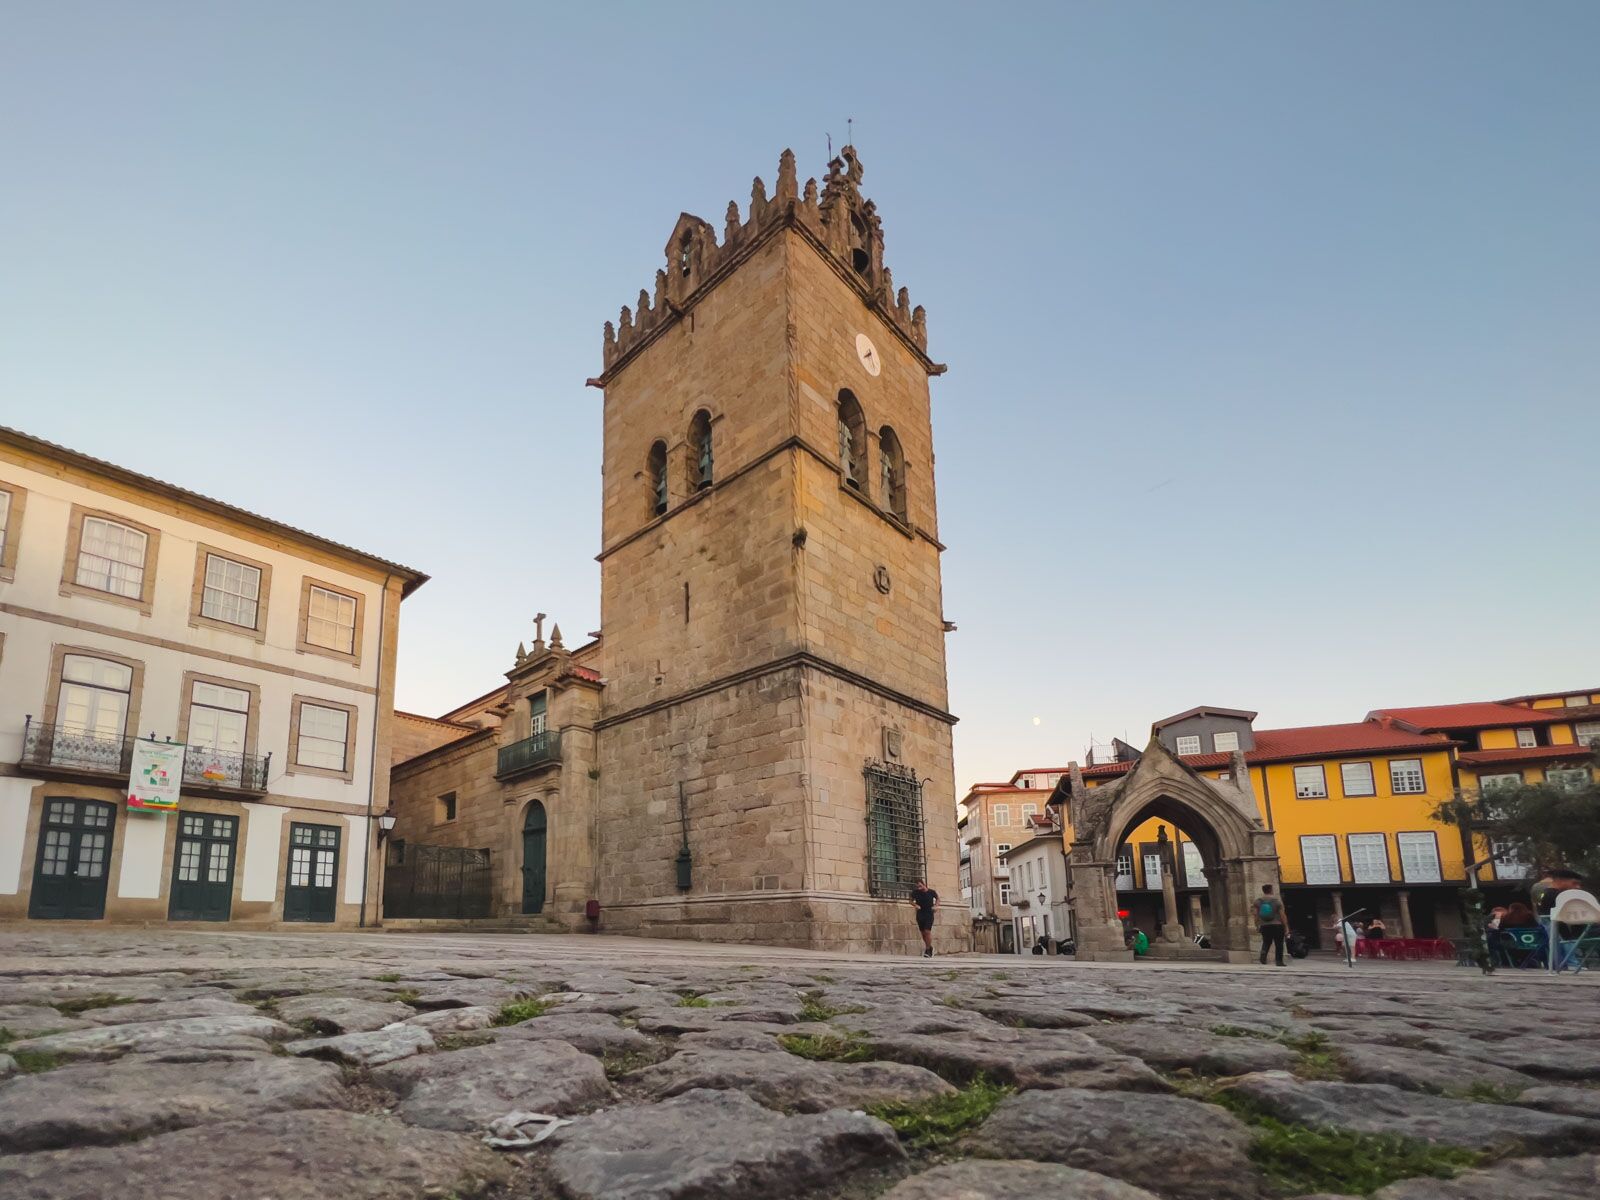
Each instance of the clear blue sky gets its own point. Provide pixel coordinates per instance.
(1271, 327)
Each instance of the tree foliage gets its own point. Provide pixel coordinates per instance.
(1547, 825)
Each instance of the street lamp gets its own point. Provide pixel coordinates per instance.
(385, 825)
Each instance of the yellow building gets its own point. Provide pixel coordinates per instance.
(1528, 739)
(1350, 806)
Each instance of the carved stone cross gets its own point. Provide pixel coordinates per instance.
(538, 627)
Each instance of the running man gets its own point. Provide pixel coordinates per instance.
(926, 901)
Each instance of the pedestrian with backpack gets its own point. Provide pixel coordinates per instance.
(1269, 919)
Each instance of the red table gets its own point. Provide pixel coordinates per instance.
(1405, 949)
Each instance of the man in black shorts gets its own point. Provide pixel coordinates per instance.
(926, 900)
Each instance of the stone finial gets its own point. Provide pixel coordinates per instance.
(555, 638)
(644, 304)
(624, 324)
(919, 326)
(1241, 773)
(522, 654)
(732, 225)
(887, 277)
(810, 195)
(902, 306)
(786, 177)
(1075, 773)
(661, 290)
(758, 199)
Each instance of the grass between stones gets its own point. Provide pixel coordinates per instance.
(1318, 1058)
(814, 1007)
(515, 1012)
(618, 1063)
(84, 1003)
(940, 1121)
(6, 1037)
(31, 1062)
(406, 995)
(1298, 1159)
(1485, 1093)
(826, 1048)
(388, 977)
(692, 1001)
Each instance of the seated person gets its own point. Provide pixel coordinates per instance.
(1375, 928)
(1518, 916)
(1495, 916)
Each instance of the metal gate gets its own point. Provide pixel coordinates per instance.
(440, 882)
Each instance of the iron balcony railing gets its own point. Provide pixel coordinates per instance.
(75, 751)
(530, 752)
(62, 749)
(225, 770)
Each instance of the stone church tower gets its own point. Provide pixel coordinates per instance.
(773, 744)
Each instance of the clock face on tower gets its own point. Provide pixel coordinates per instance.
(868, 354)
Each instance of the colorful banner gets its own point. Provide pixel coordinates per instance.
(157, 775)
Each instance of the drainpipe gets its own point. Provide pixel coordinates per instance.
(372, 759)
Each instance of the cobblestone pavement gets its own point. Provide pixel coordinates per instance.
(235, 1066)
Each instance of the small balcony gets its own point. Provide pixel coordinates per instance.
(62, 753)
(225, 773)
(541, 750)
(75, 753)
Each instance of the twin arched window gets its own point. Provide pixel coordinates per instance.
(701, 465)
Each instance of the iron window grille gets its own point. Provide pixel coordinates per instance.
(895, 852)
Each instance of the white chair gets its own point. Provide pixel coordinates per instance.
(1574, 907)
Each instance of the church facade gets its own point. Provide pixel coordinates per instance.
(757, 747)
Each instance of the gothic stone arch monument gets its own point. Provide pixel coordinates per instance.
(1219, 816)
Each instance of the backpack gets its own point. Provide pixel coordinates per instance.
(1269, 911)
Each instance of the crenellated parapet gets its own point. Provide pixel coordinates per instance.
(838, 220)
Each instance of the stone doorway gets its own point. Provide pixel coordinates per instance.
(534, 827)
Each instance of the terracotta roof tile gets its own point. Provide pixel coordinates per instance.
(1476, 715)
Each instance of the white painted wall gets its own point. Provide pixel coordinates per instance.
(14, 797)
(144, 836)
(263, 842)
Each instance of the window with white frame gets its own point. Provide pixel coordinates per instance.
(1586, 732)
(1357, 779)
(1029, 811)
(1224, 743)
(1310, 783)
(1124, 870)
(111, 558)
(232, 592)
(1369, 857)
(331, 620)
(323, 738)
(1189, 744)
(93, 700)
(1002, 814)
(1194, 865)
(1152, 870)
(1525, 738)
(1506, 779)
(1406, 778)
(1572, 779)
(1005, 893)
(1419, 857)
(219, 717)
(1319, 857)
(1507, 863)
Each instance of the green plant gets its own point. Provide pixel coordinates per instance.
(406, 995)
(1318, 1058)
(950, 1001)
(618, 1063)
(1239, 1031)
(826, 1048)
(1298, 1159)
(83, 1004)
(814, 1007)
(461, 1041)
(31, 1062)
(514, 1012)
(388, 977)
(940, 1121)
(1486, 1093)
(6, 1037)
(693, 1001)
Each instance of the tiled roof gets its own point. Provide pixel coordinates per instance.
(1515, 754)
(1308, 741)
(1588, 691)
(411, 578)
(1204, 710)
(1483, 714)
(420, 719)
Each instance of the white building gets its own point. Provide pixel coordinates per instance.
(130, 608)
(1040, 887)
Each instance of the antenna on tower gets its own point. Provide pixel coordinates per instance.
(830, 146)
(850, 129)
